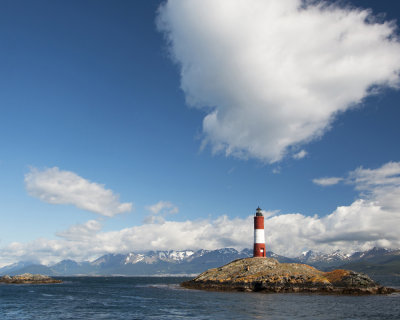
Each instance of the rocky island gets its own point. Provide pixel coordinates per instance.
(28, 278)
(268, 275)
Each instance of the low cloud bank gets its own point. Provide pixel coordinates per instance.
(371, 220)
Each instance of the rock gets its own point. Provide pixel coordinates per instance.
(28, 278)
(6, 278)
(268, 275)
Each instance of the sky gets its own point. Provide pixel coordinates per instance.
(128, 126)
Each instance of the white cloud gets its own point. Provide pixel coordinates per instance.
(65, 187)
(300, 155)
(268, 214)
(368, 179)
(81, 232)
(276, 170)
(382, 185)
(198, 234)
(159, 211)
(273, 75)
(371, 220)
(163, 206)
(363, 223)
(327, 181)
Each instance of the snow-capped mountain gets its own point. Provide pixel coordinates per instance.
(180, 262)
(166, 262)
(324, 260)
(376, 259)
(15, 266)
(155, 256)
(147, 263)
(373, 253)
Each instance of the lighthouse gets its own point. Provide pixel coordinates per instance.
(259, 237)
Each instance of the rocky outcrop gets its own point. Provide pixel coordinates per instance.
(28, 278)
(268, 275)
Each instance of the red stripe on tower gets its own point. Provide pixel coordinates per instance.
(259, 236)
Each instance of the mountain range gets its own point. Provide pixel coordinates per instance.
(190, 262)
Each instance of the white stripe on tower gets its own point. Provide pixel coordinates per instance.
(259, 236)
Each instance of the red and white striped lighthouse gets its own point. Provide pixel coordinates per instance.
(259, 236)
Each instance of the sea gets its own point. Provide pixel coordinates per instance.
(162, 298)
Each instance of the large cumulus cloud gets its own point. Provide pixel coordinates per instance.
(272, 75)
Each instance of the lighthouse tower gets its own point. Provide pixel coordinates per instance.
(259, 237)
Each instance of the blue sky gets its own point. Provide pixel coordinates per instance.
(194, 115)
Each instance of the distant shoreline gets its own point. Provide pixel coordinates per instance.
(28, 278)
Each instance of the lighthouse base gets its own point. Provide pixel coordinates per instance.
(259, 250)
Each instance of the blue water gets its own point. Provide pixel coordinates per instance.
(162, 298)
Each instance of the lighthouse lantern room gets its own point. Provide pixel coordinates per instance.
(259, 236)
